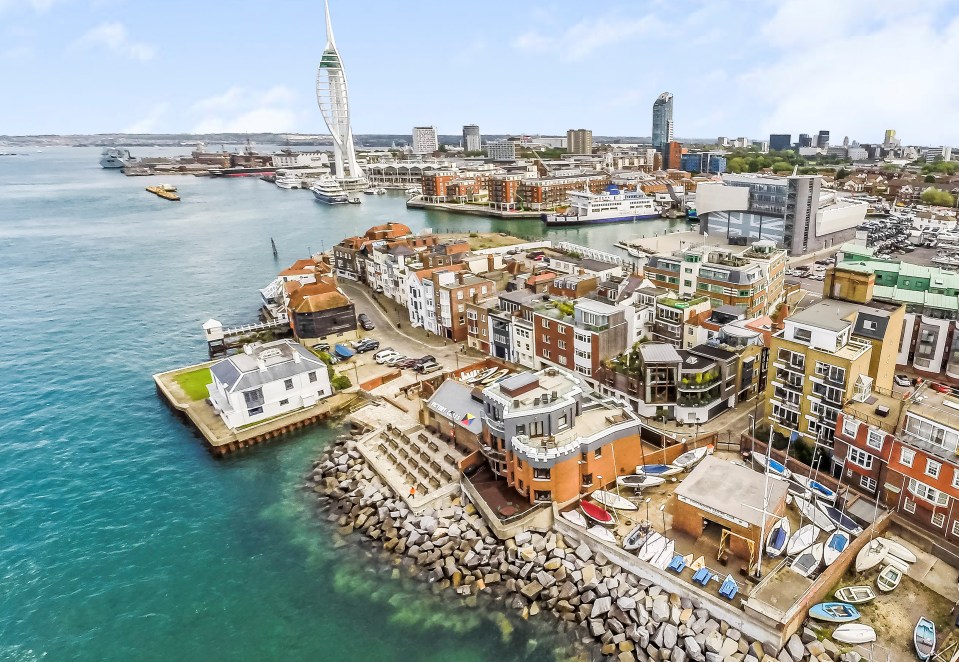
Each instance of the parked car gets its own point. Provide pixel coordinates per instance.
(393, 360)
(405, 363)
(385, 355)
(322, 347)
(424, 360)
(430, 367)
(902, 380)
(379, 289)
(365, 322)
(941, 388)
(368, 345)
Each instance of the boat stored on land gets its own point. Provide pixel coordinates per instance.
(639, 482)
(574, 517)
(898, 550)
(855, 595)
(834, 612)
(165, 191)
(808, 560)
(652, 547)
(601, 533)
(689, 459)
(613, 206)
(822, 492)
(924, 638)
(804, 538)
(814, 515)
(889, 578)
(854, 633)
(637, 536)
(661, 470)
(595, 513)
(840, 519)
(778, 538)
(613, 500)
(662, 559)
(835, 545)
(771, 465)
(871, 555)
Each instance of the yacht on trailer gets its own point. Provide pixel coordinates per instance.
(613, 206)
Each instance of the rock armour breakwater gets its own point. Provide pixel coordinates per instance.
(630, 618)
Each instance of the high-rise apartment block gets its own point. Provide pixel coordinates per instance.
(425, 140)
(673, 155)
(472, 140)
(579, 141)
(662, 121)
(501, 150)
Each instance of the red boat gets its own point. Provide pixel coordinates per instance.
(595, 513)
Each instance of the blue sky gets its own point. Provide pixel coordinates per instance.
(854, 67)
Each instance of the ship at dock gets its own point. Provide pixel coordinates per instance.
(613, 206)
(113, 158)
(328, 191)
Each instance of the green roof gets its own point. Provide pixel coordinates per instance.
(925, 299)
(852, 248)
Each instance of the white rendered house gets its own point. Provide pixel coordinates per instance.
(267, 380)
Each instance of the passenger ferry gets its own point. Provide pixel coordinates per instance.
(613, 206)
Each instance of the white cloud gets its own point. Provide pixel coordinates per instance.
(114, 37)
(242, 110)
(586, 37)
(150, 122)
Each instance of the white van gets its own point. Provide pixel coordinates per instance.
(430, 367)
(385, 355)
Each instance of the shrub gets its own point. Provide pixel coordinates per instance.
(341, 382)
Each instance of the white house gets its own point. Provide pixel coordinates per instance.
(267, 380)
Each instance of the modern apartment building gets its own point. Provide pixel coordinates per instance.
(579, 141)
(501, 150)
(543, 193)
(673, 155)
(434, 184)
(425, 140)
(472, 140)
(503, 191)
(822, 140)
(703, 162)
(662, 121)
(826, 355)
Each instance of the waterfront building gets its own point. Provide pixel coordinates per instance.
(455, 414)
(546, 193)
(662, 121)
(320, 311)
(553, 439)
(825, 355)
(579, 141)
(794, 212)
(780, 141)
(472, 140)
(334, 102)
(501, 150)
(265, 381)
(503, 191)
(435, 183)
(425, 140)
(405, 174)
(290, 159)
(703, 162)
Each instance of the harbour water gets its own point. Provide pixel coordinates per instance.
(120, 538)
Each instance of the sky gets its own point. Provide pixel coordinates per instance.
(735, 68)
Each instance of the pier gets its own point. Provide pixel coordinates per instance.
(219, 340)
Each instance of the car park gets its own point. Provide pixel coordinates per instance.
(902, 380)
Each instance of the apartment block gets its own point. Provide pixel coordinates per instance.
(544, 193)
(578, 335)
(579, 141)
(425, 140)
(503, 191)
(501, 150)
(449, 292)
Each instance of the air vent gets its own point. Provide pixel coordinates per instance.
(882, 411)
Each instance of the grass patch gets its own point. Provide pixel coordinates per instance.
(194, 383)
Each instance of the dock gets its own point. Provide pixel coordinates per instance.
(471, 210)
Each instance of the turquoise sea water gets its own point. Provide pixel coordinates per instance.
(120, 538)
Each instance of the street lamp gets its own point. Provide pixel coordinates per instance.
(648, 499)
(662, 509)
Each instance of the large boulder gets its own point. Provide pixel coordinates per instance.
(795, 648)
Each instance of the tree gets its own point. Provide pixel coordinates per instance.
(930, 179)
(934, 196)
(781, 166)
(736, 164)
(842, 173)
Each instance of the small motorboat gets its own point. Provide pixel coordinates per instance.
(924, 638)
(854, 633)
(652, 547)
(822, 492)
(639, 481)
(689, 459)
(898, 550)
(771, 465)
(889, 578)
(807, 562)
(836, 544)
(840, 519)
(637, 537)
(613, 500)
(802, 539)
(834, 612)
(601, 533)
(595, 513)
(660, 470)
(574, 517)
(871, 555)
(855, 595)
(814, 515)
(778, 538)
(662, 559)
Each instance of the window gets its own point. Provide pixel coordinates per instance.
(938, 520)
(541, 474)
(869, 325)
(933, 468)
(542, 495)
(545, 324)
(312, 376)
(521, 429)
(802, 335)
(562, 359)
(562, 344)
(598, 453)
(867, 483)
(254, 411)
(955, 478)
(875, 439)
(253, 397)
(562, 422)
(849, 427)
(562, 329)
(588, 481)
(927, 493)
(909, 505)
(546, 354)
(860, 458)
(284, 401)
(545, 339)
(288, 384)
(906, 456)
(536, 429)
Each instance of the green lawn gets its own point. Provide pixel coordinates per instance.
(194, 383)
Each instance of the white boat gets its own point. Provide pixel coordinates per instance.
(613, 500)
(814, 515)
(375, 190)
(328, 191)
(898, 550)
(287, 180)
(663, 559)
(889, 578)
(855, 595)
(613, 206)
(804, 538)
(822, 492)
(113, 158)
(871, 555)
(836, 544)
(772, 466)
(661, 470)
(654, 544)
(689, 459)
(574, 517)
(639, 482)
(637, 537)
(840, 519)
(854, 633)
(778, 538)
(807, 562)
(601, 533)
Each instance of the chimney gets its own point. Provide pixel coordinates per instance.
(296, 356)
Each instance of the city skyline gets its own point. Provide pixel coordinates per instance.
(734, 71)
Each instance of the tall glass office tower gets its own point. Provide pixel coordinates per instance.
(662, 120)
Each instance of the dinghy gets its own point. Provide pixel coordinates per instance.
(660, 470)
(835, 545)
(834, 612)
(814, 515)
(778, 538)
(574, 517)
(771, 465)
(871, 555)
(602, 533)
(698, 564)
(595, 513)
(855, 595)
(808, 560)
(689, 459)
(639, 481)
(822, 492)
(840, 519)
(898, 550)
(889, 578)
(854, 633)
(924, 639)
(636, 537)
(802, 539)
(650, 549)
(795, 489)
(613, 500)
(662, 559)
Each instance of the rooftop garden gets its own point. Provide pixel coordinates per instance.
(673, 302)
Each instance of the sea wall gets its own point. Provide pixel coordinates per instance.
(631, 618)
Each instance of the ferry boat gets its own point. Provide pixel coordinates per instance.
(328, 191)
(613, 206)
(287, 180)
(165, 191)
(112, 158)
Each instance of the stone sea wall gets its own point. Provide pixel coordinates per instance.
(629, 618)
